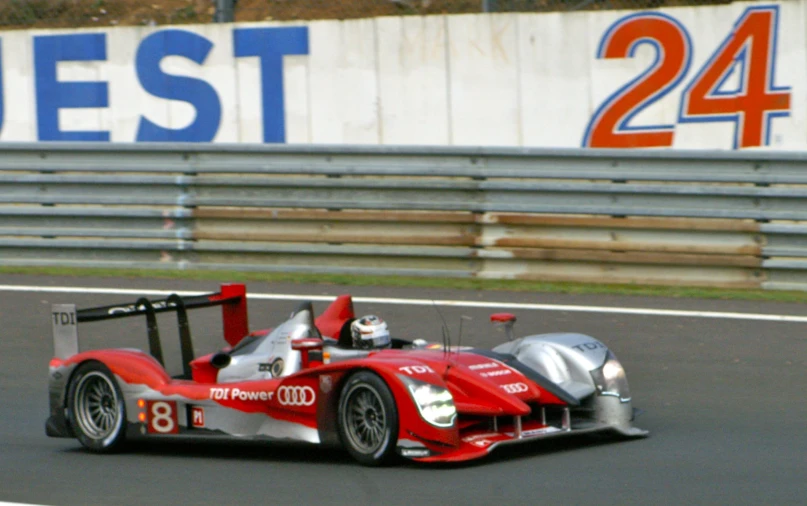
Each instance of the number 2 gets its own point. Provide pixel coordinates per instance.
(751, 48)
(609, 125)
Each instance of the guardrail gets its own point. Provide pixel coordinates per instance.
(663, 217)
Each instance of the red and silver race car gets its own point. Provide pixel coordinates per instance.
(306, 381)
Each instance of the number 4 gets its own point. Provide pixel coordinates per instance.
(751, 50)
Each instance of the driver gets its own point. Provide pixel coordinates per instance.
(370, 333)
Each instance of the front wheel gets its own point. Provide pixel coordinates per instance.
(95, 408)
(368, 419)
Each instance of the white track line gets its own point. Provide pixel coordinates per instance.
(425, 302)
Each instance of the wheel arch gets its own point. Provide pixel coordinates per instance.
(411, 425)
(332, 381)
(353, 395)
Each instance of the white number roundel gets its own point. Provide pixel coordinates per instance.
(162, 417)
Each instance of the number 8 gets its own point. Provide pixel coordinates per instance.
(162, 417)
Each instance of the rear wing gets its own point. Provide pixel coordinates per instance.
(232, 298)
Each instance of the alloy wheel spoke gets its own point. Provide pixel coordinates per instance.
(97, 406)
(366, 418)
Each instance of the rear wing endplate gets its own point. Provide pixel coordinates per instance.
(232, 298)
(65, 330)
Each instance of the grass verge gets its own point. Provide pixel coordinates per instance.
(417, 282)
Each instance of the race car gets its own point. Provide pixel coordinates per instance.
(311, 380)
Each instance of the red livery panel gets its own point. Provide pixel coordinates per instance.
(313, 380)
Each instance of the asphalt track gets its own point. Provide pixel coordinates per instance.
(723, 399)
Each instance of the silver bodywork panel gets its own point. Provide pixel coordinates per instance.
(566, 359)
(569, 361)
(218, 418)
(273, 348)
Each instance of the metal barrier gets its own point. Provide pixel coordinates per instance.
(660, 217)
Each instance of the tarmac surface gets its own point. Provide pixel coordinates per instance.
(723, 399)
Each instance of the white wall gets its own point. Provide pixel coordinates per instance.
(501, 79)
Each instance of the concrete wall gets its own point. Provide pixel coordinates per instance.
(717, 77)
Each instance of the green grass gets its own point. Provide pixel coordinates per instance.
(417, 282)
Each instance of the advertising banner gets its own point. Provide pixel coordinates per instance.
(710, 77)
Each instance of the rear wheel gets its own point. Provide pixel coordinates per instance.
(95, 408)
(368, 419)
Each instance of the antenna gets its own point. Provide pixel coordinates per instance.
(446, 332)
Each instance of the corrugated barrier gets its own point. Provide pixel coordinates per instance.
(735, 219)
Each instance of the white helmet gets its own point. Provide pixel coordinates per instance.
(370, 332)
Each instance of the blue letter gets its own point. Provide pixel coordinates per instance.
(270, 44)
(52, 95)
(196, 92)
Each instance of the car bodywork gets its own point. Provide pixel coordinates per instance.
(288, 383)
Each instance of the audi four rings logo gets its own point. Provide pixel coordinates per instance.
(296, 395)
(515, 388)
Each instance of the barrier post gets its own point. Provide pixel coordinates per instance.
(225, 11)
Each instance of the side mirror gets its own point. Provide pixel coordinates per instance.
(507, 320)
(304, 346)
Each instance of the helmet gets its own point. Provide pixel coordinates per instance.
(370, 332)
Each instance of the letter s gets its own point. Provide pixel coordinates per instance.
(200, 94)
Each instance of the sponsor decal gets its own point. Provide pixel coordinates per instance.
(482, 440)
(162, 417)
(499, 372)
(535, 432)
(482, 443)
(131, 308)
(64, 318)
(484, 365)
(220, 394)
(296, 395)
(198, 416)
(514, 388)
(475, 437)
(236, 394)
(264, 367)
(416, 369)
(589, 346)
(325, 383)
(415, 452)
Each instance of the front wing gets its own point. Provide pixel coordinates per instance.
(479, 443)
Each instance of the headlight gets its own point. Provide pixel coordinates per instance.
(435, 404)
(610, 379)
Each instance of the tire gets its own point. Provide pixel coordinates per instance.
(95, 408)
(368, 419)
